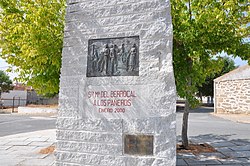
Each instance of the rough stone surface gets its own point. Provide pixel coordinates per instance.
(232, 94)
(88, 137)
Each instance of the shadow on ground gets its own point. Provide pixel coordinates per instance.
(213, 138)
(229, 151)
(202, 109)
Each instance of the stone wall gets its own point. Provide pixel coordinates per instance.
(232, 96)
(100, 141)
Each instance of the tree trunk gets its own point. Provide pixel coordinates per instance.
(185, 125)
(200, 95)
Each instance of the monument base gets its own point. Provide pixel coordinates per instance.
(145, 142)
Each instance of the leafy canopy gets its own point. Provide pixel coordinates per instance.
(207, 88)
(5, 82)
(31, 36)
(202, 29)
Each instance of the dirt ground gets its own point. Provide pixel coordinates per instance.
(196, 148)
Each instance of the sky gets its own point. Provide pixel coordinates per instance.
(4, 66)
(239, 62)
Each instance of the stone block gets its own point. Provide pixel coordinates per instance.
(142, 161)
(94, 116)
(68, 104)
(70, 81)
(90, 159)
(70, 92)
(100, 125)
(67, 123)
(73, 61)
(94, 137)
(135, 126)
(92, 148)
(73, 71)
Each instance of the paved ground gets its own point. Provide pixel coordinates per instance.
(239, 118)
(23, 149)
(203, 122)
(229, 136)
(233, 153)
(15, 123)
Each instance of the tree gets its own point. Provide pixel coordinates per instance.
(202, 29)
(31, 34)
(5, 82)
(207, 88)
(31, 37)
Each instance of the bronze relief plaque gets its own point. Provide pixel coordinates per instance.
(113, 57)
(138, 145)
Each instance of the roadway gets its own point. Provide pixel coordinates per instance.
(15, 124)
(201, 124)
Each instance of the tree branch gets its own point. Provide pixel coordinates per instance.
(190, 11)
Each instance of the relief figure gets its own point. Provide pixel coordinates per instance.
(104, 61)
(112, 60)
(123, 54)
(94, 59)
(131, 59)
(116, 57)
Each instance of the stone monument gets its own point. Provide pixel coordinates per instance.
(117, 89)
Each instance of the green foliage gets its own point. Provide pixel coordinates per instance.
(31, 36)
(5, 82)
(207, 88)
(202, 29)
